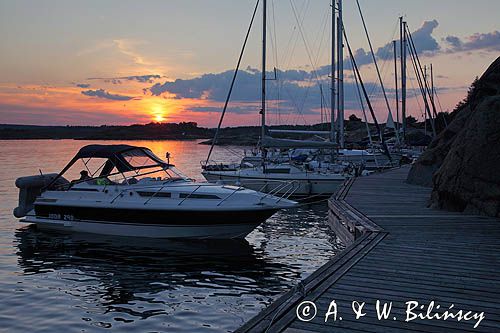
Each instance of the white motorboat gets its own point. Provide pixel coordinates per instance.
(132, 192)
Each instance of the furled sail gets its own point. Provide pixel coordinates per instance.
(390, 122)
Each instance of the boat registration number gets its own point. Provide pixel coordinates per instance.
(65, 217)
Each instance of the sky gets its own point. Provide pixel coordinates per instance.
(126, 62)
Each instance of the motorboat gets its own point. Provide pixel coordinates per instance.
(129, 191)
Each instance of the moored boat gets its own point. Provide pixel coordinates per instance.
(132, 192)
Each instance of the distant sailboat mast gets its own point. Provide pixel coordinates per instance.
(396, 83)
(402, 40)
(340, 80)
(263, 92)
(333, 137)
(376, 66)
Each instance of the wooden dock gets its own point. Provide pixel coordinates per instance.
(399, 251)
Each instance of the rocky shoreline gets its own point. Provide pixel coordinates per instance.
(462, 164)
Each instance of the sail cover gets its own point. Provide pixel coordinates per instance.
(390, 121)
(270, 142)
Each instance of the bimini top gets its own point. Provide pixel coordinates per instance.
(112, 151)
(122, 157)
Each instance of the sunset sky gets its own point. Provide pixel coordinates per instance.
(124, 62)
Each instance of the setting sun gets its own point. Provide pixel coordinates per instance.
(159, 118)
(158, 113)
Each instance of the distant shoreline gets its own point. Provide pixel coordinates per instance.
(187, 131)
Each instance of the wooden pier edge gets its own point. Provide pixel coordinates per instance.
(414, 256)
(355, 230)
(346, 221)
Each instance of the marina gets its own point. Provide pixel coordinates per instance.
(400, 251)
(340, 173)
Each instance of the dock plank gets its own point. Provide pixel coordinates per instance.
(407, 252)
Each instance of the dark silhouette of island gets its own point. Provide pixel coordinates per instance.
(152, 131)
(356, 134)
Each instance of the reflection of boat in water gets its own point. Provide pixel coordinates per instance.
(124, 268)
(148, 197)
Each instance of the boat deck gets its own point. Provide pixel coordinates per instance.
(401, 251)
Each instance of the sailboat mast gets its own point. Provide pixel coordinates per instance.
(340, 73)
(402, 39)
(333, 137)
(432, 90)
(377, 69)
(431, 96)
(396, 83)
(263, 92)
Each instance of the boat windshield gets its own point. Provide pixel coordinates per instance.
(117, 164)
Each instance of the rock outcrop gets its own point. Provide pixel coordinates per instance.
(463, 163)
(433, 157)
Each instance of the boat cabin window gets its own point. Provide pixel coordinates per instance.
(83, 189)
(198, 196)
(276, 170)
(154, 194)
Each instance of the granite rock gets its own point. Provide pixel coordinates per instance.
(463, 163)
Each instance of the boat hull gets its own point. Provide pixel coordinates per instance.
(218, 224)
(298, 188)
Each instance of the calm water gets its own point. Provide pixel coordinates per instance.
(53, 282)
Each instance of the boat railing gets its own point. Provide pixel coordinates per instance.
(289, 188)
(154, 194)
(145, 187)
(213, 165)
(190, 194)
(228, 196)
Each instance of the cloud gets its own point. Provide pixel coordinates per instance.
(233, 109)
(142, 78)
(479, 41)
(101, 93)
(455, 42)
(362, 58)
(127, 47)
(424, 42)
(148, 78)
(212, 86)
(296, 91)
(83, 85)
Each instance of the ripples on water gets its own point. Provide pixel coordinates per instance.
(50, 282)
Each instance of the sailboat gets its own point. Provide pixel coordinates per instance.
(285, 178)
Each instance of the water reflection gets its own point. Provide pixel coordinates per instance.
(125, 269)
(92, 282)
